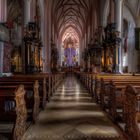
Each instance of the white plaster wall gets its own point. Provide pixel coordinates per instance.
(132, 57)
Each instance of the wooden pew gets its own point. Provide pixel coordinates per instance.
(32, 97)
(56, 79)
(93, 84)
(107, 97)
(17, 125)
(46, 90)
(107, 79)
(113, 88)
(88, 80)
(132, 114)
(111, 96)
(119, 85)
(29, 79)
(36, 101)
(116, 98)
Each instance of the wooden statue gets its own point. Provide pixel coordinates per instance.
(21, 112)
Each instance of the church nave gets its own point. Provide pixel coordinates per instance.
(69, 69)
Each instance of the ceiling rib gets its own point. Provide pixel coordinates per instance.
(71, 13)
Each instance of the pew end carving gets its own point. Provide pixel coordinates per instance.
(130, 112)
(44, 93)
(36, 101)
(21, 112)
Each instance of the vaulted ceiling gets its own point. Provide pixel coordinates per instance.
(76, 14)
(134, 7)
(71, 13)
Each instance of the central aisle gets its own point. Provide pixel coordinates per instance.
(72, 115)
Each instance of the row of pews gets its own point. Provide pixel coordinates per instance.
(119, 96)
(22, 97)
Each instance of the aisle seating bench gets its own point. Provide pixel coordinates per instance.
(29, 80)
(37, 92)
(131, 124)
(119, 96)
(13, 120)
(31, 97)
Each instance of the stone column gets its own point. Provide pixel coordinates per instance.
(118, 21)
(26, 11)
(59, 47)
(26, 15)
(3, 10)
(81, 48)
(112, 11)
(47, 35)
(25, 21)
